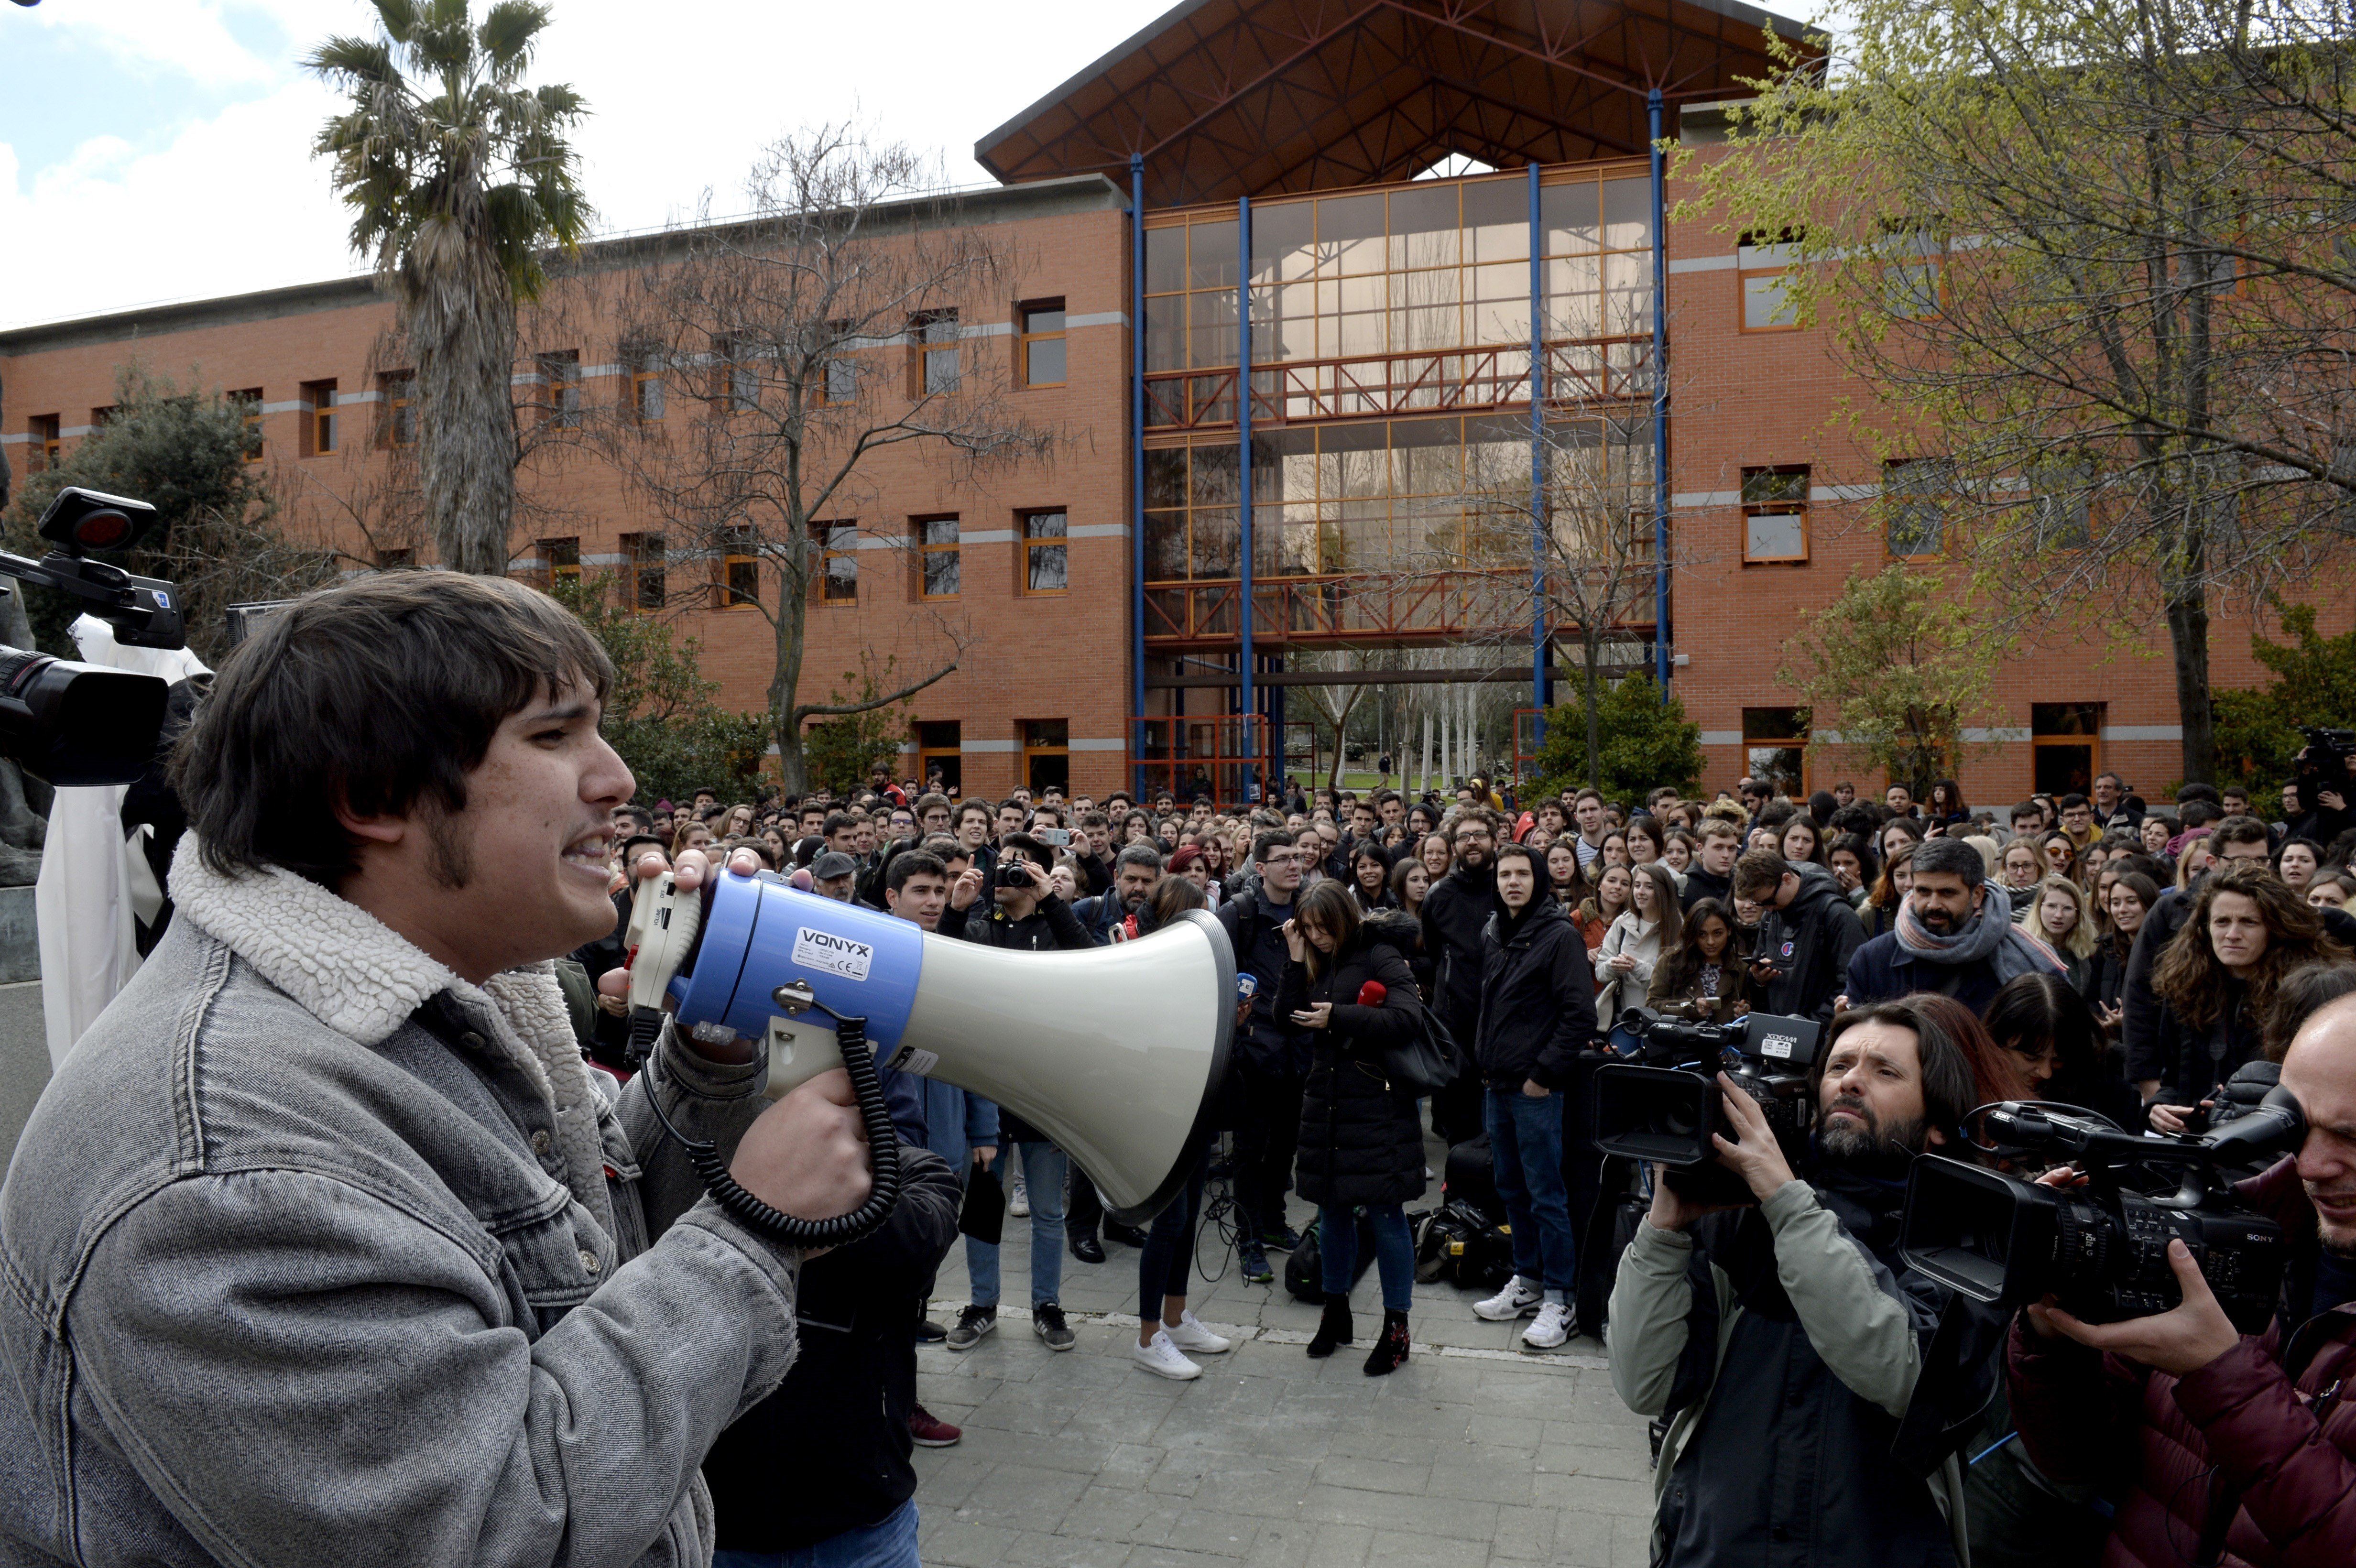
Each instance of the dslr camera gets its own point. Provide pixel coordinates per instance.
(1661, 1102)
(1020, 874)
(77, 724)
(2102, 1248)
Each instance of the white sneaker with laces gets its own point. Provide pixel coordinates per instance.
(1518, 1299)
(1163, 1359)
(1018, 1199)
(1190, 1335)
(1552, 1328)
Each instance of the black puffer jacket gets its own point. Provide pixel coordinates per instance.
(1537, 998)
(1361, 1140)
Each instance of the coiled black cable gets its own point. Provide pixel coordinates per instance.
(883, 1151)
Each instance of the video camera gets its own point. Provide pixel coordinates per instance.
(2101, 1249)
(76, 724)
(2323, 764)
(1662, 1102)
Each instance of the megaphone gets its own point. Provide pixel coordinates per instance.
(1115, 1053)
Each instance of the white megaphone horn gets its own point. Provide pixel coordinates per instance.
(1115, 1053)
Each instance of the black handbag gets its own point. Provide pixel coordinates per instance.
(1427, 1063)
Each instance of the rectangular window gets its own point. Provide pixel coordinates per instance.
(2068, 740)
(837, 575)
(101, 417)
(48, 448)
(939, 754)
(561, 559)
(1774, 748)
(1915, 506)
(1775, 515)
(1767, 304)
(935, 336)
(399, 389)
(737, 375)
(937, 557)
(318, 418)
(646, 383)
(560, 387)
(1046, 753)
(649, 559)
(1043, 344)
(250, 400)
(739, 580)
(395, 560)
(1046, 566)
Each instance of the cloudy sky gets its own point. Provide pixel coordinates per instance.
(160, 149)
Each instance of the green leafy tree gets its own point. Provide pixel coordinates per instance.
(460, 179)
(216, 538)
(2314, 683)
(661, 714)
(1898, 672)
(1644, 743)
(842, 752)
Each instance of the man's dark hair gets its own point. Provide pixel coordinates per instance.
(377, 695)
(2026, 808)
(2239, 830)
(2300, 995)
(1759, 873)
(912, 863)
(1144, 855)
(975, 803)
(1510, 850)
(636, 816)
(2072, 801)
(1949, 857)
(1095, 819)
(1034, 850)
(1776, 813)
(945, 849)
(1943, 1054)
(1274, 838)
(1478, 815)
(634, 840)
(703, 789)
(2198, 792)
(836, 821)
(2198, 812)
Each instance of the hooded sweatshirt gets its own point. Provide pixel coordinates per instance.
(1809, 941)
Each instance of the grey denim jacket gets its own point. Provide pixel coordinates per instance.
(288, 1277)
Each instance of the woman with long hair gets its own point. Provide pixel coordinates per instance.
(1410, 885)
(1614, 851)
(1436, 856)
(1895, 835)
(1802, 842)
(1854, 867)
(1699, 977)
(1646, 841)
(1945, 806)
(2061, 919)
(1632, 947)
(1562, 874)
(2047, 1024)
(2129, 898)
(1370, 877)
(1677, 853)
(2217, 979)
(1890, 890)
(2297, 862)
(1610, 901)
(1361, 1145)
(1996, 1073)
(2060, 853)
(2019, 868)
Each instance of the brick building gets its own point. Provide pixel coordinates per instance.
(1274, 159)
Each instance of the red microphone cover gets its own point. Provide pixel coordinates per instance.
(1371, 994)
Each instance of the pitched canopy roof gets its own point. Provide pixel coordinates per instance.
(1229, 98)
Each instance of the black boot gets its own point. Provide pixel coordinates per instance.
(1390, 1348)
(1333, 1328)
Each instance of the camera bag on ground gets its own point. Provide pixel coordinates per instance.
(1304, 1270)
(1456, 1243)
(1469, 1178)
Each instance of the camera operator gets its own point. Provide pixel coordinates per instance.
(2228, 1447)
(1954, 936)
(1806, 939)
(325, 1237)
(1787, 1364)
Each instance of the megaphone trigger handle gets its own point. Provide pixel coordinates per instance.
(882, 1153)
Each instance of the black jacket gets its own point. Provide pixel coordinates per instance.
(1810, 941)
(1456, 911)
(2193, 1060)
(2141, 1027)
(1701, 884)
(1050, 927)
(829, 1451)
(1361, 1140)
(1254, 929)
(1537, 998)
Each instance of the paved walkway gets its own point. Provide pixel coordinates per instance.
(1471, 1454)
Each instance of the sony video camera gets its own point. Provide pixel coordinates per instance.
(2102, 1248)
(1662, 1102)
(2323, 764)
(72, 723)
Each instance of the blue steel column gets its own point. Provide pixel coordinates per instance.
(1136, 476)
(1540, 694)
(1243, 442)
(1660, 409)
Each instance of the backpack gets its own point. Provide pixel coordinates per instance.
(1304, 1271)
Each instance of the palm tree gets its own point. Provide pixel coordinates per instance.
(460, 177)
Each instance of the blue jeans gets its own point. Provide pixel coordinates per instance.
(1337, 1251)
(1043, 1172)
(892, 1544)
(1526, 1145)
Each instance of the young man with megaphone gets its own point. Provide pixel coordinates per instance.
(324, 1244)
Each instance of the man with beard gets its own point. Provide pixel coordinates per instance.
(1455, 912)
(1272, 1061)
(1134, 871)
(1952, 936)
(1788, 1345)
(1538, 1013)
(2225, 1447)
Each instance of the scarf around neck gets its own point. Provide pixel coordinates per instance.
(1988, 936)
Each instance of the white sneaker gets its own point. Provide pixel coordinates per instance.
(1518, 1299)
(1552, 1328)
(1162, 1360)
(1018, 1199)
(1190, 1335)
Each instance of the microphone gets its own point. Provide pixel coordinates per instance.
(1371, 993)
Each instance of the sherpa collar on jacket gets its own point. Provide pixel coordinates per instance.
(363, 979)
